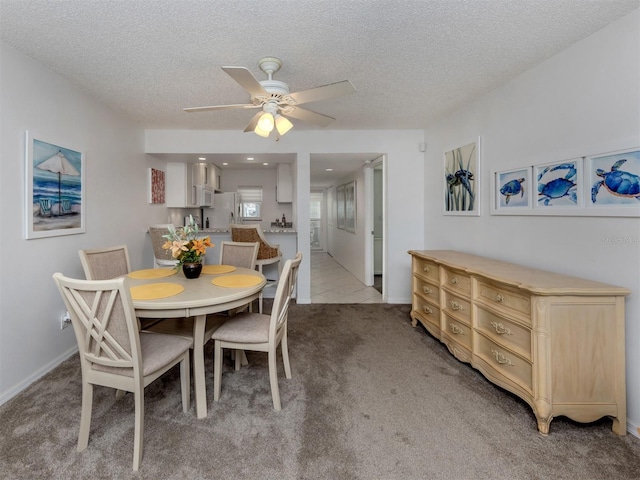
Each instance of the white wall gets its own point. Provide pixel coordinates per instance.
(348, 247)
(35, 99)
(231, 179)
(583, 101)
(404, 171)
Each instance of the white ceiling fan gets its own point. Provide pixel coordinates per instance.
(275, 101)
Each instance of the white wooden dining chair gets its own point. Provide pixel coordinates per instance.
(113, 353)
(268, 254)
(259, 332)
(231, 253)
(105, 263)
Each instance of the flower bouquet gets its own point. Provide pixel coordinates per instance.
(185, 246)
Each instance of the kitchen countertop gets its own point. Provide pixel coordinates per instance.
(226, 230)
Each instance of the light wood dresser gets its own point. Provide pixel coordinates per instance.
(555, 341)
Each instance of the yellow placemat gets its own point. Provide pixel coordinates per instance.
(216, 269)
(153, 273)
(235, 281)
(153, 291)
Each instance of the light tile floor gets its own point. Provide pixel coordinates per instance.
(332, 283)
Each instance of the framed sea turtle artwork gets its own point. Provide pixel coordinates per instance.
(512, 190)
(558, 186)
(55, 188)
(461, 180)
(612, 186)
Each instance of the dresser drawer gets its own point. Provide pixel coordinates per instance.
(501, 297)
(505, 332)
(457, 331)
(457, 307)
(426, 290)
(506, 363)
(458, 281)
(427, 269)
(426, 310)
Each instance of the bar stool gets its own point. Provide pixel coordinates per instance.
(267, 254)
(161, 257)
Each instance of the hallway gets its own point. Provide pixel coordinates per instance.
(332, 283)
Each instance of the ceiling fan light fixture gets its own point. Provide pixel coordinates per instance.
(266, 122)
(283, 125)
(261, 132)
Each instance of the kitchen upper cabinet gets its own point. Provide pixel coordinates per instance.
(182, 181)
(284, 184)
(206, 174)
(180, 187)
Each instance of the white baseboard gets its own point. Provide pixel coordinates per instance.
(632, 428)
(16, 389)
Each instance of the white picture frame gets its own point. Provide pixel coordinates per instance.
(512, 191)
(54, 188)
(612, 183)
(461, 179)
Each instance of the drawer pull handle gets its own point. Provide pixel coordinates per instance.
(501, 358)
(454, 280)
(500, 328)
(455, 329)
(426, 269)
(427, 310)
(499, 298)
(427, 290)
(455, 306)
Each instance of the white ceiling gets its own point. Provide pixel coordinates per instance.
(410, 61)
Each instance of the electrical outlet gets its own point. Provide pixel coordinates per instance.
(65, 320)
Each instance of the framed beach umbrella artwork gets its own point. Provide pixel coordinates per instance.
(54, 189)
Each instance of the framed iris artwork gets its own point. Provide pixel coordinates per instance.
(461, 181)
(612, 186)
(512, 191)
(55, 180)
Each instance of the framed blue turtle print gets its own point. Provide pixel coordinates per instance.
(558, 185)
(512, 190)
(612, 186)
(461, 180)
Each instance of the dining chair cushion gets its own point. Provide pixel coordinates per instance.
(248, 328)
(157, 350)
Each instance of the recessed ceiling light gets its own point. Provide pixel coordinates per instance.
(265, 163)
(328, 169)
(225, 163)
(249, 158)
(202, 158)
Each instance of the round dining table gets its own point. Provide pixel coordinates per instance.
(167, 293)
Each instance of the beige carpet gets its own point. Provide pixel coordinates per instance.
(371, 398)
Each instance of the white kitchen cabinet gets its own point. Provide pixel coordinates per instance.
(284, 185)
(206, 174)
(180, 187)
(182, 180)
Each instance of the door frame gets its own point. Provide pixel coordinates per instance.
(369, 192)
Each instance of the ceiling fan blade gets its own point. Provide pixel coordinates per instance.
(325, 92)
(254, 121)
(308, 116)
(221, 107)
(244, 77)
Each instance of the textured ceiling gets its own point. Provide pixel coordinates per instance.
(411, 61)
